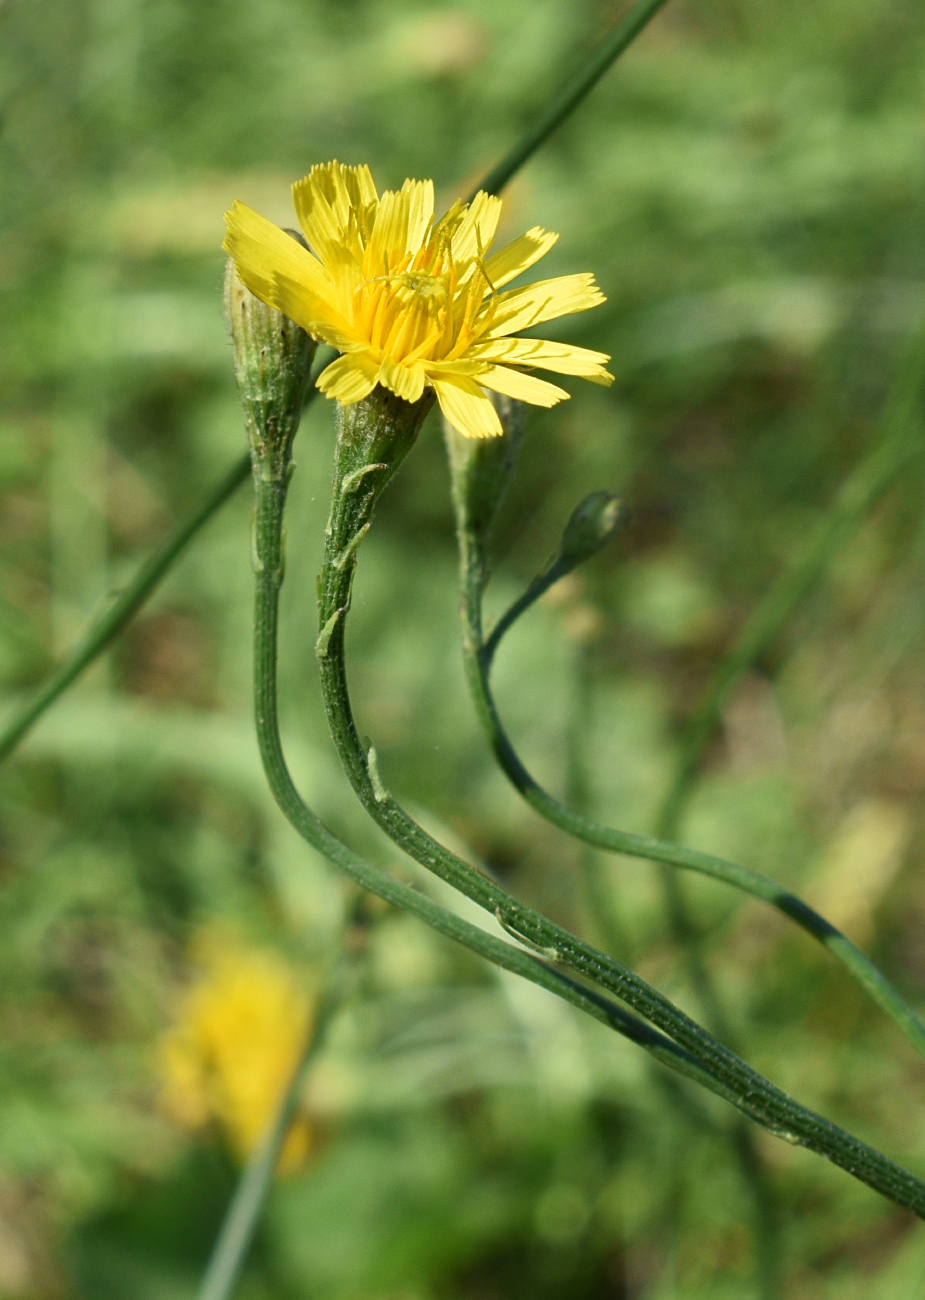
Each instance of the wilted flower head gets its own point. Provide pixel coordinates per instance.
(412, 302)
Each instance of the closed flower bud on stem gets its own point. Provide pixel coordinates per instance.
(591, 526)
(272, 364)
(481, 471)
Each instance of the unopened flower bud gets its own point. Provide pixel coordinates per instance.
(272, 364)
(591, 525)
(482, 468)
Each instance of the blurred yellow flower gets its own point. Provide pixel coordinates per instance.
(413, 303)
(239, 1031)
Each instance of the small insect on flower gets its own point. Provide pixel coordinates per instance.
(411, 302)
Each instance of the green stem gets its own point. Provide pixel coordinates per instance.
(478, 663)
(892, 451)
(538, 587)
(478, 656)
(111, 622)
(351, 516)
(766, 1230)
(271, 495)
(860, 490)
(234, 1239)
(568, 99)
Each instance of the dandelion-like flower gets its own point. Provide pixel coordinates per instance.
(411, 302)
(238, 1034)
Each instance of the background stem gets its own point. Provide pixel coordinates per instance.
(568, 99)
(898, 440)
(111, 622)
(237, 1231)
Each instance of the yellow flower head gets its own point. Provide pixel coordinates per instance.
(412, 302)
(239, 1032)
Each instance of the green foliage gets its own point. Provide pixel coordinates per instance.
(749, 188)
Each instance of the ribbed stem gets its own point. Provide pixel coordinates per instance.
(271, 495)
(756, 1096)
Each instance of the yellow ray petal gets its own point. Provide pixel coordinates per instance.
(563, 358)
(523, 388)
(518, 309)
(466, 407)
(350, 378)
(345, 269)
(477, 228)
(362, 187)
(404, 381)
(327, 198)
(420, 212)
(519, 255)
(388, 235)
(262, 250)
(402, 219)
(321, 224)
(346, 189)
(316, 318)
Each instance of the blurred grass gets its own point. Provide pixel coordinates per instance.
(749, 187)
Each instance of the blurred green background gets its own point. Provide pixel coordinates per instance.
(749, 188)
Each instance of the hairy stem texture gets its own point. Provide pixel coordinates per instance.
(359, 435)
(270, 482)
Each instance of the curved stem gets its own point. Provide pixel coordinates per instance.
(271, 494)
(351, 515)
(858, 493)
(479, 655)
(477, 663)
(538, 587)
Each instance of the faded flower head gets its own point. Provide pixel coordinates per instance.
(411, 302)
(239, 1031)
